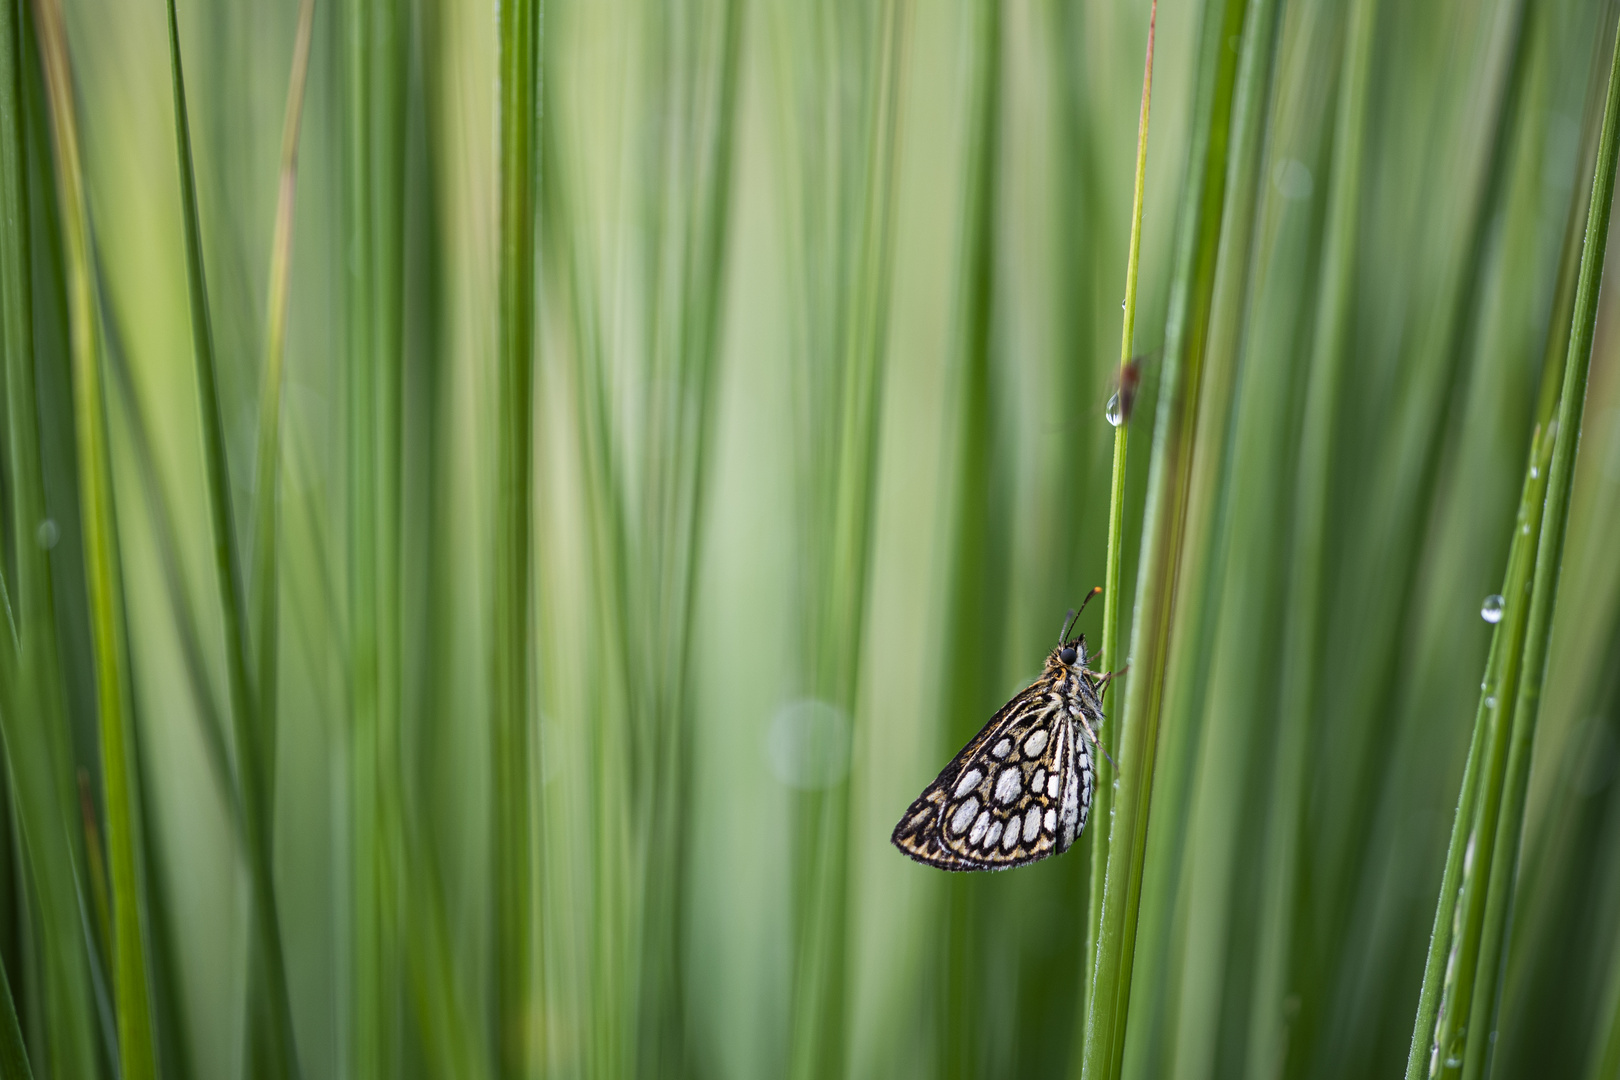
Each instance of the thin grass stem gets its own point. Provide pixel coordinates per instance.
(1564, 436)
(1192, 290)
(32, 712)
(516, 960)
(1103, 799)
(1304, 618)
(131, 971)
(13, 1053)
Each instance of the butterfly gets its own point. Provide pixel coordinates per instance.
(1021, 789)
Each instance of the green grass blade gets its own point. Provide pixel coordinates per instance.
(1565, 440)
(265, 1020)
(274, 1049)
(1103, 799)
(978, 563)
(1605, 1051)
(517, 1054)
(1464, 953)
(130, 967)
(160, 505)
(372, 1033)
(1305, 618)
(262, 593)
(13, 1054)
(32, 711)
(1192, 290)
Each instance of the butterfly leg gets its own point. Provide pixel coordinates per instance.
(1100, 683)
(1092, 735)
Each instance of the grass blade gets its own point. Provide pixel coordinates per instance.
(262, 594)
(978, 554)
(1450, 1036)
(13, 1054)
(274, 1049)
(1304, 617)
(32, 709)
(517, 1055)
(1565, 440)
(130, 967)
(1186, 329)
(1103, 800)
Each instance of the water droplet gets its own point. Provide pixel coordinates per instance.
(1453, 1062)
(1112, 412)
(47, 534)
(1525, 528)
(1122, 305)
(807, 744)
(1491, 610)
(1490, 701)
(1534, 472)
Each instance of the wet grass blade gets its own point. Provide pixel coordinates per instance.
(1103, 800)
(1192, 290)
(130, 966)
(1456, 1011)
(1564, 436)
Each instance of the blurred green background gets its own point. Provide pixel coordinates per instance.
(826, 317)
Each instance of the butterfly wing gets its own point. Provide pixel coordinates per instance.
(1018, 792)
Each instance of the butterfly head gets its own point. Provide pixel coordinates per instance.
(1071, 652)
(1069, 656)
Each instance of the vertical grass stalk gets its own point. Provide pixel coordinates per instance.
(263, 591)
(262, 594)
(1192, 290)
(1564, 437)
(1470, 925)
(32, 710)
(515, 940)
(1308, 558)
(368, 1032)
(976, 611)
(846, 358)
(1103, 799)
(271, 1018)
(136, 1056)
(13, 1054)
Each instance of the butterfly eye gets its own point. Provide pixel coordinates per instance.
(1067, 656)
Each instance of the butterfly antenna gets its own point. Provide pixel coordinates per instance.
(1063, 631)
(1074, 616)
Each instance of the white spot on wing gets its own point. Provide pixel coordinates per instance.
(1009, 839)
(1001, 749)
(993, 835)
(969, 781)
(979, 826)
(1032, 823)
(964, 816)
(1036, 742)
(1051, 821)
(1039, 781)
(1008, 786)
